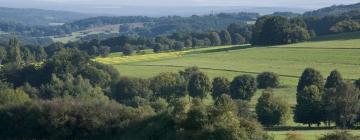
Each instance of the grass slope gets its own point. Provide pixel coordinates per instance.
(339, 52)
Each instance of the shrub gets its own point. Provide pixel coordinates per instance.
(199, 85)
(267, 80)
(271, 110)
(243, 87)
(220, 86)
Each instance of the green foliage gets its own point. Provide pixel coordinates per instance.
(343, 104)
(357, 83)
(225, 104)
(238, 39)
(243, 87)
(308, 109)
(220, 86)
(272, 30)
(129, 88)
(345, 26)
(334, 79)
(128, 49)
(268, 80)
(342, 135)
(199, 85)
(270, 110)
(67, 119)
(188, 72)
(225, 37)
(168, 85)
(310, 77)
(71, 87)
(9, 95)
(215, 39)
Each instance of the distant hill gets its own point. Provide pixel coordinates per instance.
(333, 10)
(38, 17)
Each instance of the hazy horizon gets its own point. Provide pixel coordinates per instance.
(172, 7)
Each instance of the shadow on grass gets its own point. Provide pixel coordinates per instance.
(297, 128)
(239, 47)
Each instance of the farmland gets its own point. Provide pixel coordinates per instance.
(339, 52)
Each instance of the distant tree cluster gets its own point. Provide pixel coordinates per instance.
(273, 30)
(338, 23)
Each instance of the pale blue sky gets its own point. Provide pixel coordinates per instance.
(119, 3)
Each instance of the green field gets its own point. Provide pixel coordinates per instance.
(341, 52)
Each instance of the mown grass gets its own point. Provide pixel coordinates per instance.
(341, 52)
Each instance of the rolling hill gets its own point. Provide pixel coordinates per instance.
(38, 16)
(333, 10)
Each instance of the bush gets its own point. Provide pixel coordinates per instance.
(271, 110)
(267, 80)
(220, 86)
(199, 85)
(243, 87)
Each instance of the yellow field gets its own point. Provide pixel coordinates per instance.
(114, 60)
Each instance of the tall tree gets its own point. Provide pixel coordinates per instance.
(310, 77)
(334, 79)
(3, 55)
(243, 87)
(14, 51)
(308, 109)
(344, 104)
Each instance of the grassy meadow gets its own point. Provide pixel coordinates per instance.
(341, 52)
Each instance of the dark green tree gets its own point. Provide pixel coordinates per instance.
(129, 88)
(334, 79)
(188, 72)
(310, 77)
(199, 85)
(243, 87)
(271, 110)
(357, 83)
(220, 86)
(14, 53)
(344, 105)
(308, 109)
(168, 85)
(268, 80)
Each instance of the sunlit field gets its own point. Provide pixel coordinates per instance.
(339, 52)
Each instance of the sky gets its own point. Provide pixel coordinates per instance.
(118, 3)
(173, 7)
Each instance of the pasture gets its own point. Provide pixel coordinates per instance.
(341, 52)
